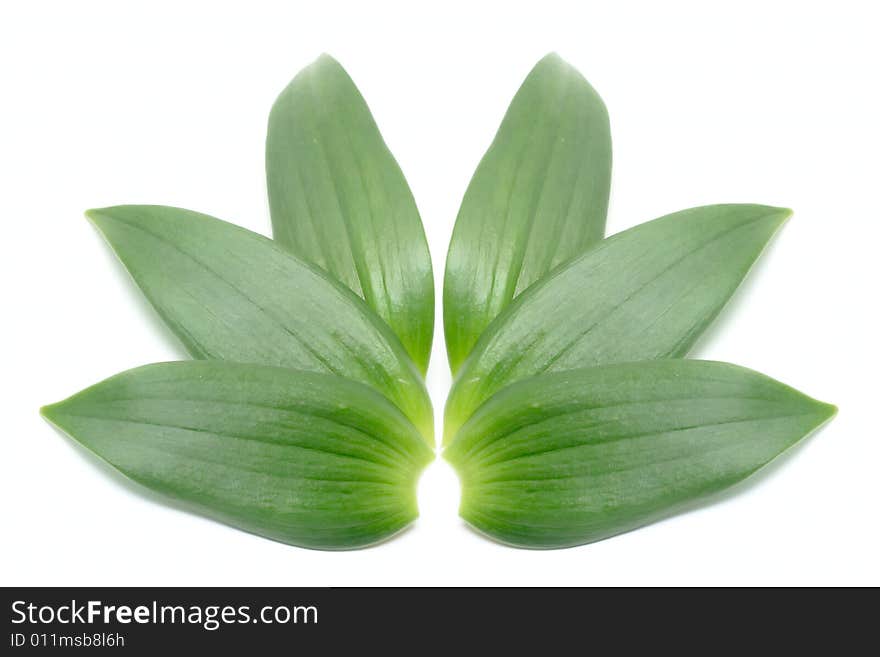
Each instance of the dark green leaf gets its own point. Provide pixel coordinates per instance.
(572, 457)
(538, 197)
(309, 459)
(230, 294)
(339, 200)
(642, 294)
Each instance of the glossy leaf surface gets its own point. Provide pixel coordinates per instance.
(572, 457)
(538, 197)
(645, 293)
(339, 199)
(231, 294)
(308, 459)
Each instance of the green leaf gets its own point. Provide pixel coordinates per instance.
(339, 200)
(230, 294)
(572, 457)
(308, 459)
(538, 197)
(645, 293)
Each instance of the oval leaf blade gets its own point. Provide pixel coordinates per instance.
(231, 294)
(339, 199)
(645, 293)
(538, 197)
(304, 458)
(573, 457)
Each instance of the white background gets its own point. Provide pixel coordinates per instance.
(166, 102)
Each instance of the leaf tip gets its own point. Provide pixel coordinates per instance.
(552, 60)
(827, 411)
(326, 61)
(97, 217)
(783, 214)
(49, 412)
(57, 412)
(820, 413)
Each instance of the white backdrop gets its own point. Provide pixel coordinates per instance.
(166, 102)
